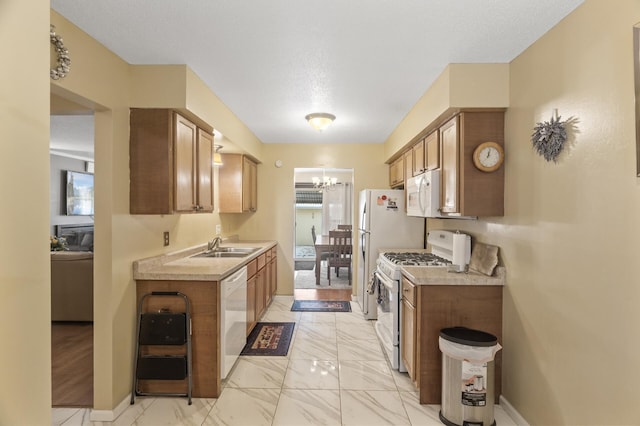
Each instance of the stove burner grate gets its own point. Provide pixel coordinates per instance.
(416, 259)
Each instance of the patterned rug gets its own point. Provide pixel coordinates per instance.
(320, 306)
(269, 339)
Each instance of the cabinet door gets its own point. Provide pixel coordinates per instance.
(185, 135)
(251, 304)
(260, 293)
(418, 158)
(408, 338)
(396, 172)
(432, 151)
(450, 166)
(249, 185)
(205, 171)
(272, 278)
(408, 163)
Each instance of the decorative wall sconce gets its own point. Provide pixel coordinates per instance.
(217, 157)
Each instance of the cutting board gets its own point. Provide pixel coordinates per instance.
(484, 259)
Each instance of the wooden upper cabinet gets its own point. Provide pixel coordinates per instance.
(449, 178)
(408, 164)
(238, 184)
(432, 151)
(249, 185)
(418, 158)
(205, 171)
(396, 172)
(467, 191)
(170, 162)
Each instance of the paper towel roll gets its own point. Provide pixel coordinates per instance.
(461, 251)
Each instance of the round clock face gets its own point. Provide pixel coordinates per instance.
(488, 156)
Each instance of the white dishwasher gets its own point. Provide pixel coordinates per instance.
(233, 319)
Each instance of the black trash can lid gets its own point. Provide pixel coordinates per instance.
(468, 336)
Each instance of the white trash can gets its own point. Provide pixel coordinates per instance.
(468, 388)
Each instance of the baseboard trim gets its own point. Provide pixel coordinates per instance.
(110, 415)
(512, 412)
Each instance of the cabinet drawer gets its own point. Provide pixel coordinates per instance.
(262, 260)
(408, 291)
(252, 268)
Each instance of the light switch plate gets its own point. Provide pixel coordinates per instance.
(166, 238)
(218, 229)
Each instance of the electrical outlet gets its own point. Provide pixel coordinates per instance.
(166, 238)
(218, 229)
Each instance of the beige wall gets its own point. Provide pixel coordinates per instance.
(275, 216)
(25, 296)
(458, 86)
(570, 231)
(102, 81)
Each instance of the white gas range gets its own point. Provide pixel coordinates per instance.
(448, 250)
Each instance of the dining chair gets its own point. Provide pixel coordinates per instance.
(324, 255)
(345, 227)
(339, 253)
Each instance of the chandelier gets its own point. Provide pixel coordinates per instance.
(325, 182)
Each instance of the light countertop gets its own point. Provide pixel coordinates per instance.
(180, 265)
(440, 275)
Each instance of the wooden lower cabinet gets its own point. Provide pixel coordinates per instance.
(408, 336)
(261, 286)
(204, 298)
(441, 306)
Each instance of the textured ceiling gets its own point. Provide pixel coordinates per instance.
(271, 63)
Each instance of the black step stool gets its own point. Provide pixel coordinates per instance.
(162, 329)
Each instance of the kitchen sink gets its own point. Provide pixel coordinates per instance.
(227, 252)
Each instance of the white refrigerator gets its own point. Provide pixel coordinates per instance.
(383, 224)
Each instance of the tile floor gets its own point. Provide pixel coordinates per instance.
(334, 374)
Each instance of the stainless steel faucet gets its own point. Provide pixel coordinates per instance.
(214, 244)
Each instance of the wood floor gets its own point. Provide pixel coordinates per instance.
(322, 294)
(72, 364)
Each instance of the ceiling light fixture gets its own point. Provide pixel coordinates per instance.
(217, 157)
(320, 120)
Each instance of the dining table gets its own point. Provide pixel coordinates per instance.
(322, 245)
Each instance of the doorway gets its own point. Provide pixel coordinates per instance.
(72, 230)
(323, 201)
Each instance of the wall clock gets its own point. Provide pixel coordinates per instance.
(488, 156)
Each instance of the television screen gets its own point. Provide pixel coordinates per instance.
(79, 193)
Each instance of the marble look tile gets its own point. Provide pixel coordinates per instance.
(281, 303)
(320, 349)
(164, 411)
(318, 317)
(372, 408)
(316, 330)
(280, 316)
(244, 407)
(501, 417)
(299, 407)
(426, 415)
(356, 331)
(70, 417)
(363, 350)
(365, 375)
(257, 372)
(350, 318)
(403, 381)
(311, 374)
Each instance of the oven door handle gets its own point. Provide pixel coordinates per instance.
(384, 279)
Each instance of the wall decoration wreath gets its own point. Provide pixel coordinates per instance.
(64, 62)
(549, 137)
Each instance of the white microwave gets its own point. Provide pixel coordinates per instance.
(423, 194)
